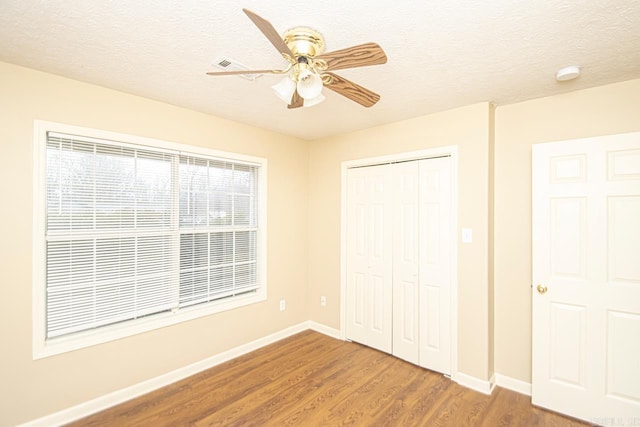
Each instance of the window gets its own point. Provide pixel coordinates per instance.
(133, 234)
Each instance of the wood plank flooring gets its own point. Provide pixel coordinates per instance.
(312, 380)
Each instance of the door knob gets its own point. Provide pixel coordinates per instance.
(541, 289)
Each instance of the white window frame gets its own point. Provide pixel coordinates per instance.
(43, 347)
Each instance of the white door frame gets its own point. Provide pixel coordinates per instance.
(452, 152)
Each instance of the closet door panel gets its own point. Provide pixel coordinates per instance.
(369, 267)
(380, 267)
(435, 264)
(406, 261)
(357, 255)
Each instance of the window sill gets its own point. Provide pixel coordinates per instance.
(105, 334)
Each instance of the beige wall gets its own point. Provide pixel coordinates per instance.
(304, 243)
(469, 129)
(30, 389)
(603, 110)
(491, 294)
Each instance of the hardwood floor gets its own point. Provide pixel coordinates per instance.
(312, 380)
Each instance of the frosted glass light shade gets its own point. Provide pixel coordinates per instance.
(285, 89)
(309, 85)
(313, 101)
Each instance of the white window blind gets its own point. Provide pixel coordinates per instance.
(218, 230)
(132, 231)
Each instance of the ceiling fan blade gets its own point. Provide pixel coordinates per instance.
(355, 56)
(236, 72)
(269, 32)
(354, 92)
(296, 101)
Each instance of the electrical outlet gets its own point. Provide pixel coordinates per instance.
(323, 301)
(283, 305)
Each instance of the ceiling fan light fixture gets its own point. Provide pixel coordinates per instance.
(313, 101)
(285, 89)
(309, 85)
(310, 69)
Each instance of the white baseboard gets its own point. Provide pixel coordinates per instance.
(483, 386)
(513, 384)
(103, 402)
(326, 330)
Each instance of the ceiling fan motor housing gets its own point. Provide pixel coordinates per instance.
(304, 42)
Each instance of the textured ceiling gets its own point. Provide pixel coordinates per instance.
(441, 53)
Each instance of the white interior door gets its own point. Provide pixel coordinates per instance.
(369, 256)
(406, 261)
(586, 278)
(435, 264)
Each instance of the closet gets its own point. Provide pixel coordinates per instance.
(398, 260)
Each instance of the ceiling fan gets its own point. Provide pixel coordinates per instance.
(310, 69)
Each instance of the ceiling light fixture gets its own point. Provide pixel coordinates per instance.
(309, 69)
(309, 84)
(285, 89)
(304, 79)
(568, 73)
(304, 74)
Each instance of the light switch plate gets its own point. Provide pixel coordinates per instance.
(467, 235)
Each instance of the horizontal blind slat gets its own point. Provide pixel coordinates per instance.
(112, 234)
(102, 199)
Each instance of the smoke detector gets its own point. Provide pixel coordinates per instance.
(568, 73)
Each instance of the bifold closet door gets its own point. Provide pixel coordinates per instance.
(399, 260)
(406, 260)
(422, 263)
(369, 256)
(436, 242)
